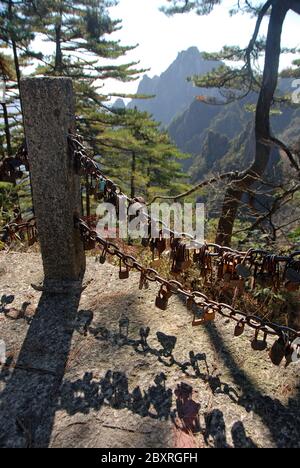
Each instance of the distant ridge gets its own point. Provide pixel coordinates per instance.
(173, 93)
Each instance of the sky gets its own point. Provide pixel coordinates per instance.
(161, 38)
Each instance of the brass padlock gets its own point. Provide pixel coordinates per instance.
(209, 314)
(202, 315)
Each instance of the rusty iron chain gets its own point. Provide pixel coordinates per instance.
(10, 232)
(194, 299)
(176, 288)
(287, 343)
(84, 162)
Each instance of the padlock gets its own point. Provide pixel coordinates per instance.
(203, 315)
(293, 278)
(163, 297)
(259, 345)
(144, 283)
(278, 351)
(89, 244)
(103, 256)
(292, 275)
(240, 328)
(123, 274)
(209, 314)
(100, 189)
(161, 245)
(242, 271)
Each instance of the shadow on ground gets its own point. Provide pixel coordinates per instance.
(29, 399)
(36, 388)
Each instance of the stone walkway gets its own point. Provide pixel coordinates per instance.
(73, 380)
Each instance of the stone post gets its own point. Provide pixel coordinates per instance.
(49, 114)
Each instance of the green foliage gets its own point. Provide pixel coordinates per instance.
(292, 72)
(131, 145)
(294, 235)
(202, 7)
(8, 200)
(140, 156)
(81, 32)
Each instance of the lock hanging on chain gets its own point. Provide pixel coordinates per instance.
(123, 273)
(144, 283)
(240, 328)
(259, 345)
(278, 350)
(203, 315)
(163, 297)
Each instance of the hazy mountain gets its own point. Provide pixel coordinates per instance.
(119, 104)
(201, 130)
(173, 93)
(218, 138)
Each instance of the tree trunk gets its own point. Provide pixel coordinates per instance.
(88, 199)
(58, 53)
(133, 174)
(238, 187)
(7, 130)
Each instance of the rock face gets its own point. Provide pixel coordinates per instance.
(173, 93)
(78, 374)
(190, 121)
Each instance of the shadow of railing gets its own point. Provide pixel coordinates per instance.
(286, 431)
(87, 394)
(33, 390)
(197, 367)
(282, 422)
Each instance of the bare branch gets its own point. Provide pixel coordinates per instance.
(205, 183)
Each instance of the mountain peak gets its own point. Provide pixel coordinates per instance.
(173, 93)
(190, 52)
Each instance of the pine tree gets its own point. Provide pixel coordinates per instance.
(142, 157)
(132, 147)
(238, 81)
